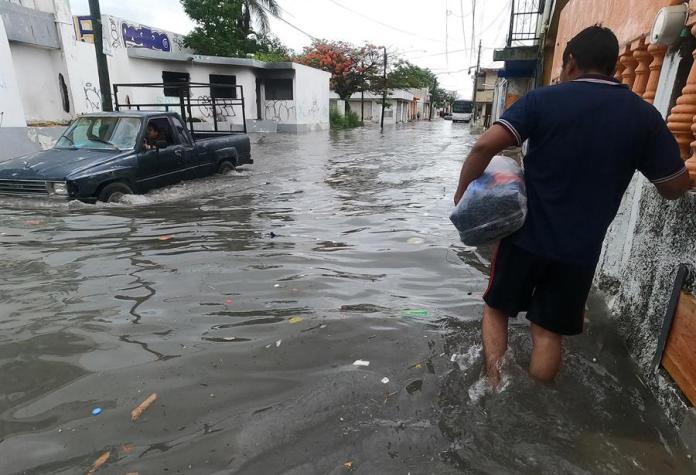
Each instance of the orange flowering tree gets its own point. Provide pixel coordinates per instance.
(352, 68)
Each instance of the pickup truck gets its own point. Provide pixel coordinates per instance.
(103, 156)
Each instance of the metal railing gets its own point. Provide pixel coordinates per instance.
(186, 102)
(524, 22)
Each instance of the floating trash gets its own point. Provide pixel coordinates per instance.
(385, 380)
(143, 406)
(276, 286)
(294, 320)
(416, 241)
(361, 363)
(166, 237)
(103, 458)
(33, 222)
(228, 301)
(348, 465)
(415, 313)
(96, 411)
(278, 343)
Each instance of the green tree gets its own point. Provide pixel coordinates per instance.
(406, 75)
(258, 10)
(224, 28)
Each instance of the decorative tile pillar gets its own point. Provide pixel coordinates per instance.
(681, 118)
(619, 70)
(658, 55)
(644, 58)
(628, 76)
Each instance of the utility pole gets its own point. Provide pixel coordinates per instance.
(102, 66)
(384, 93)
(476, 76)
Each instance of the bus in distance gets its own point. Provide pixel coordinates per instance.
(461, 110)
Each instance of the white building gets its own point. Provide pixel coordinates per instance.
(48, 76)
(397, 110)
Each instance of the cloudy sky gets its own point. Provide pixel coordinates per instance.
(421, 31)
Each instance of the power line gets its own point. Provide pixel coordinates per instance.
(386, 25)
(461, 7)
(287, 22)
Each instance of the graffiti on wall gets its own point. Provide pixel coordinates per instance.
(92, 97)
(224, 110)
(114, 36)
(282, 111)
(139, 36)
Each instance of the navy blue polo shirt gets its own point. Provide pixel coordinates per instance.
(586, 139)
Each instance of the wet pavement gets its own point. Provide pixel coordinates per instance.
(243, 302)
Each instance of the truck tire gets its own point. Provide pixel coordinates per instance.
(114, 192)
(225, 167)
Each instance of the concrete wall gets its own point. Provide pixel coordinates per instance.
(17, 141)
(311, 93)
(646, 242)
(38, 70)
(628, 19)
(11, 108)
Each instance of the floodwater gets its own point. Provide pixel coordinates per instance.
(243, 302)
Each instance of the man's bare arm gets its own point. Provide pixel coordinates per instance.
(492, 142)
(674, 188)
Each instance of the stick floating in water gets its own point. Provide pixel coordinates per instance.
(138, 411)
(103, 458)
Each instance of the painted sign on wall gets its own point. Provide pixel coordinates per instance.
(139, 36)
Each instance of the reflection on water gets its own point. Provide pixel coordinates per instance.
(244, 300)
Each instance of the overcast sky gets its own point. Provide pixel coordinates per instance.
(419, 30)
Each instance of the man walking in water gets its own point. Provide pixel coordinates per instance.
(587, 137)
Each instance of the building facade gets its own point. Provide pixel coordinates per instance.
(401, 106)
(49, 76)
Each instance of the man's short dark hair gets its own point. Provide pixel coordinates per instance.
(594, 49)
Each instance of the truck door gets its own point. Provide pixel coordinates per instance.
(185, 150)
(161, 161)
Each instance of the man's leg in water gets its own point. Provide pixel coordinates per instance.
(494, 330)
(546, 354)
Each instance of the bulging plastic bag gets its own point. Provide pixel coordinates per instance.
(494, 205)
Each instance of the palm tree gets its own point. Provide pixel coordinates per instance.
(258, 10)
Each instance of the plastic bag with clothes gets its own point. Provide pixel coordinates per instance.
(494, 205)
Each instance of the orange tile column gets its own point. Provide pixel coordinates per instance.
(682, 116)
(641, 55)
(658, 54)
(628, 75)
(619, 70)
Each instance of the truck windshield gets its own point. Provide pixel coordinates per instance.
(102, 133)
(462, 107)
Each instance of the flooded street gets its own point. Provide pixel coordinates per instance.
(243, 302)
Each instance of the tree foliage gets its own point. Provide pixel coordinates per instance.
(352, 68)
(225, 28)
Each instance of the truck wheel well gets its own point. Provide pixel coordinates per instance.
(108, 182)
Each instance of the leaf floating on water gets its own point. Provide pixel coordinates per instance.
(348, 465)
(103, 458)
(127, 448)
(385, 380)
(278, 343)
(166, 237)
(138, 411)
(415, 313)
(33, 222)
(294, 320)
(361, 363)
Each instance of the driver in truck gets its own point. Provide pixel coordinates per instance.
(152, 136)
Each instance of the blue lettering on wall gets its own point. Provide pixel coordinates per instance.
(143, 37)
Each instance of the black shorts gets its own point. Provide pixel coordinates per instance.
(553, 293)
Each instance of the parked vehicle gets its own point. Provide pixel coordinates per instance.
(462, 110)
(447, 116)
(103, 156)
